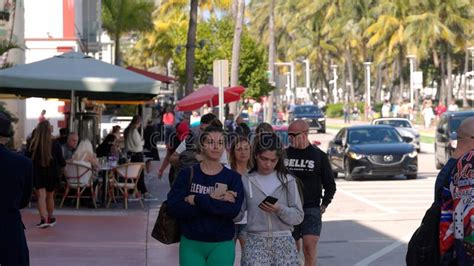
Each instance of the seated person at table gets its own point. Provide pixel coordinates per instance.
(108, 147)
(84, 155)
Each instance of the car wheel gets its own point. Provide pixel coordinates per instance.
(347, 171)
(322, 130)
(409, 177)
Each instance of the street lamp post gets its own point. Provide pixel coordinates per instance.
(292, 73)
(411, 59)
(307, 76)
(469, 76)
(367, 88)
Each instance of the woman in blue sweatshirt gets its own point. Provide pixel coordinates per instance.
(205, 198)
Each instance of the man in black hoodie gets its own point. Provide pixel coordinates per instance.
(15, 193)
(311, 166)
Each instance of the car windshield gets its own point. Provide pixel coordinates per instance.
(307, 109)
(374, 135)
(455, 121)
(393, 123)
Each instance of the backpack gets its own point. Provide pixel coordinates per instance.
(187, 158)
(423, 248)
(167, 229)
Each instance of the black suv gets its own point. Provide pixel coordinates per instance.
(311, 114)
(446, 136)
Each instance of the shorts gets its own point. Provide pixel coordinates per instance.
(311, 224)
(262, 250)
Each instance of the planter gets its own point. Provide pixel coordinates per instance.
(4, 15)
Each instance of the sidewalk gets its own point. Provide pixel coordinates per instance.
(102, 236)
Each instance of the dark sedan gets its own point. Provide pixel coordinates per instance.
(360, 151)
(311, 114)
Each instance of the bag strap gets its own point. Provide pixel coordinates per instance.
(191, 175)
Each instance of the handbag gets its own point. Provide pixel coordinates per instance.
(167, 229)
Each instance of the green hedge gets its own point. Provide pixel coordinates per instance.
(335, 109)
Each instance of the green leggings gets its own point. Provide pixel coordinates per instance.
(198, 253)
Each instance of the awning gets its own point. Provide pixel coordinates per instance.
(152, 75)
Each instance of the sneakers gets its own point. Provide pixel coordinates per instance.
(51, 221)
(148, 197)
(46, 223)
(42, 224)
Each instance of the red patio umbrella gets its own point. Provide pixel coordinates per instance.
(208, 95)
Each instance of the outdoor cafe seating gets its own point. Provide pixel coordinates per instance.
(125, 180)
(78, 179)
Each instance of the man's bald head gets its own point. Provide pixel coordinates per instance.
(465, 137)
(298, 125)
(298, 134)
(466, 129)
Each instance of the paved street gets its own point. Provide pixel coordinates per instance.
(368, 223)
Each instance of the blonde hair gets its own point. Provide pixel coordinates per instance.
(84, 147)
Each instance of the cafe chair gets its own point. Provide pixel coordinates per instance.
(78, 178)
(126, 179)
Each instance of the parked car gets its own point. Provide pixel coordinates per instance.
(403, 126)
(372, 150)
(312, 114)
(446, 136)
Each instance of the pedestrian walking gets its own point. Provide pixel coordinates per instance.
(134, 147)
(428, 114)
(457, 208)
(346, 110)
(205, 198)
(463, 146)
(48, 162)
(15, 194)
(311, 166)
(239, 158)
(273, 206)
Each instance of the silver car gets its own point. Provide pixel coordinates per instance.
(403, 126)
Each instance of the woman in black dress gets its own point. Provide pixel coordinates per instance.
(48, 161)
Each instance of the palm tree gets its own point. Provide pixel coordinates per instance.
(440, 28)
(191, 46)
(124, 16)
(6, 46)
(234, 69)
(271, 58)
(388, 38)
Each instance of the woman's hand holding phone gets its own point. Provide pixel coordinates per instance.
(269, 204)
(268, 207)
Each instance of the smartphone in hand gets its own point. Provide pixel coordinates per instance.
(219, 189)
(269, 199)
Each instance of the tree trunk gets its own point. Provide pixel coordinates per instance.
(442, 87)
(234, 69)
(234, 9)
(191, 46)
(350, 70)
(271, 59)
(464, 87)
(117, 54)
(449, 77)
